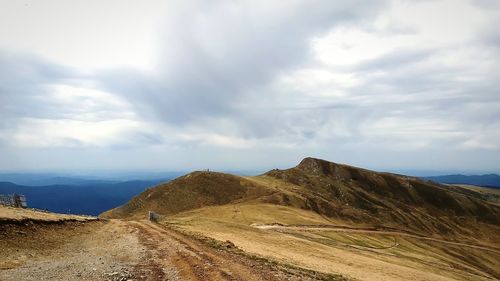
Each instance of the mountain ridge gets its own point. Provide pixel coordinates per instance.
(339, 192)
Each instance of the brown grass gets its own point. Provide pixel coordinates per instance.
(10, 214)
(317, 192)
(335, 192)
(195, 190)
(358, 255)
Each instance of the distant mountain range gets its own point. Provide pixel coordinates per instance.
(490, 180)
(43, 179)
(81, 197)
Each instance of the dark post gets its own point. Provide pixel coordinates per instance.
(152, 216)
(17, 201)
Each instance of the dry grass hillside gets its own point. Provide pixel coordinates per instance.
(336, 219)
(489, 194)
(192, 191)
(360, 196)
(337, 192)
(19, 216)
(308, 240)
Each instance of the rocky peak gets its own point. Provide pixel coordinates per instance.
(315, 166)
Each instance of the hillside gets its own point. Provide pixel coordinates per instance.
(335, 219)
(489, 194)
(19, 216)
(338, 192)
(192, 191)
(382, 199)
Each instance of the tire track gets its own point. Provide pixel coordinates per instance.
(172, 256)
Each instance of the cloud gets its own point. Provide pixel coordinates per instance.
(43, 104)
(214, 58)
(24, 78)
(355, 80)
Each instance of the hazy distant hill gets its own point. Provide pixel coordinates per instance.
(43, 179)
(490, 180)
(90, 199)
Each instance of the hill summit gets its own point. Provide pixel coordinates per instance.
(195, 190)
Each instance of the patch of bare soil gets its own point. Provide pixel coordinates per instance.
(97, 250)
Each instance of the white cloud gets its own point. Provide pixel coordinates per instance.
(87, 104)
(76, 116)
(40, 133)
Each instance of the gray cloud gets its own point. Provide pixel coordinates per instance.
(218, 57)
(229, 81)
(23, 81)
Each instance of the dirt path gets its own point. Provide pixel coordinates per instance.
(366, 231)
(117, 250)
(172, 256)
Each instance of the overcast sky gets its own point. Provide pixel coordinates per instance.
(249, 85)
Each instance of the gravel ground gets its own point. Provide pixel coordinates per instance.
(124, 250)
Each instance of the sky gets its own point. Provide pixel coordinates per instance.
(249, 85)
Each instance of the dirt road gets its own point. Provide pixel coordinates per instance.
(172, 256)
(124, 250)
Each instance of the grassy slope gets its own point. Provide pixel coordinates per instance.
(361, 197)
(340, 193)
(192, 191)
(491, 195)
(350, 254)
(478, 189)
(10, 214)
(316, 192)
